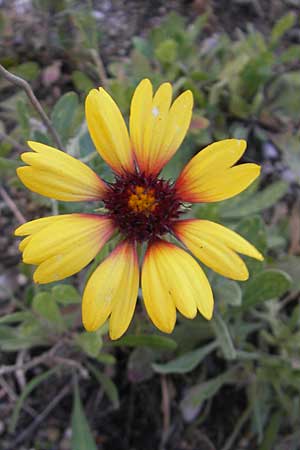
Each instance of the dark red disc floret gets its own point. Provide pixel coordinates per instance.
(145, 225)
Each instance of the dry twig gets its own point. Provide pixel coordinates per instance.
(4, 370)
(100, 67)
(165, 406)
(239, 425)
(23, 84)
(7, 390)
(40, 418)
(12, 206)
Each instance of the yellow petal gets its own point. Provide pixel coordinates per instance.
(155, 127)
(218, 186)
(217, 156)
(156, 130)
(112, 288)
(108, 130)
(172, 279)
(56, 174)
(223, 234)
(123, 309)
(178, 122)
(24, 243)
(67, 245)
(215, 246)
(210, 177)
(36, 225)
(140, 110)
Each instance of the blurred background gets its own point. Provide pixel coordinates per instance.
(232, 383)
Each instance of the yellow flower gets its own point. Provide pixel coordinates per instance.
(142, 208)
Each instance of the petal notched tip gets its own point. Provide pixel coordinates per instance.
(257, 255)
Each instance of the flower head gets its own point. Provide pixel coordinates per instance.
(141, 207)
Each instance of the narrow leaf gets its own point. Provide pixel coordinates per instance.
(19, 316)
(259, 201)
(272, 431)
(282, 25)
(187, 362)
(143, 340)
(82, 438)
(224, 338)
(107, 384)
(195, 396)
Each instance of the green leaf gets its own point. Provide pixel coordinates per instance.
(291, 265)
(90, 342)
(285, 95)
(65, 294)
(87, 26)
(224, 338)
(195, 396)
(143, 46)
(227, 292)
(259, 201)
(152, 341)
(253, 229)
(187, 362)
(282, 25)
(141, 64)
(82, 438)
(28, 70)
(44, 305)
(166, 52)
(272, 431)
(233, 68)
(64, 113)
(264, 286)
(23, 114)
(19, 316)
(81, 81)
(106, 358)
(107, 384)
(25, 393)
(290, 55)
(8, 164)
(139, 364)
(29, 334)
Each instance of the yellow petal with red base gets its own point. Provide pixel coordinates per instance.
(172, 279)
(108, 130)
(55, 174)
(157, 128)
(140, 110)
(64, 245)
(33, 226)
(112, 289)
(215, 245)
(210, 177)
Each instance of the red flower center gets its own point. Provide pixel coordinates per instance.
(143, 207)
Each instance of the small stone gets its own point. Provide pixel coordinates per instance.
(270, 151)
(287, 175)
(53, 434)
(21, 279)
